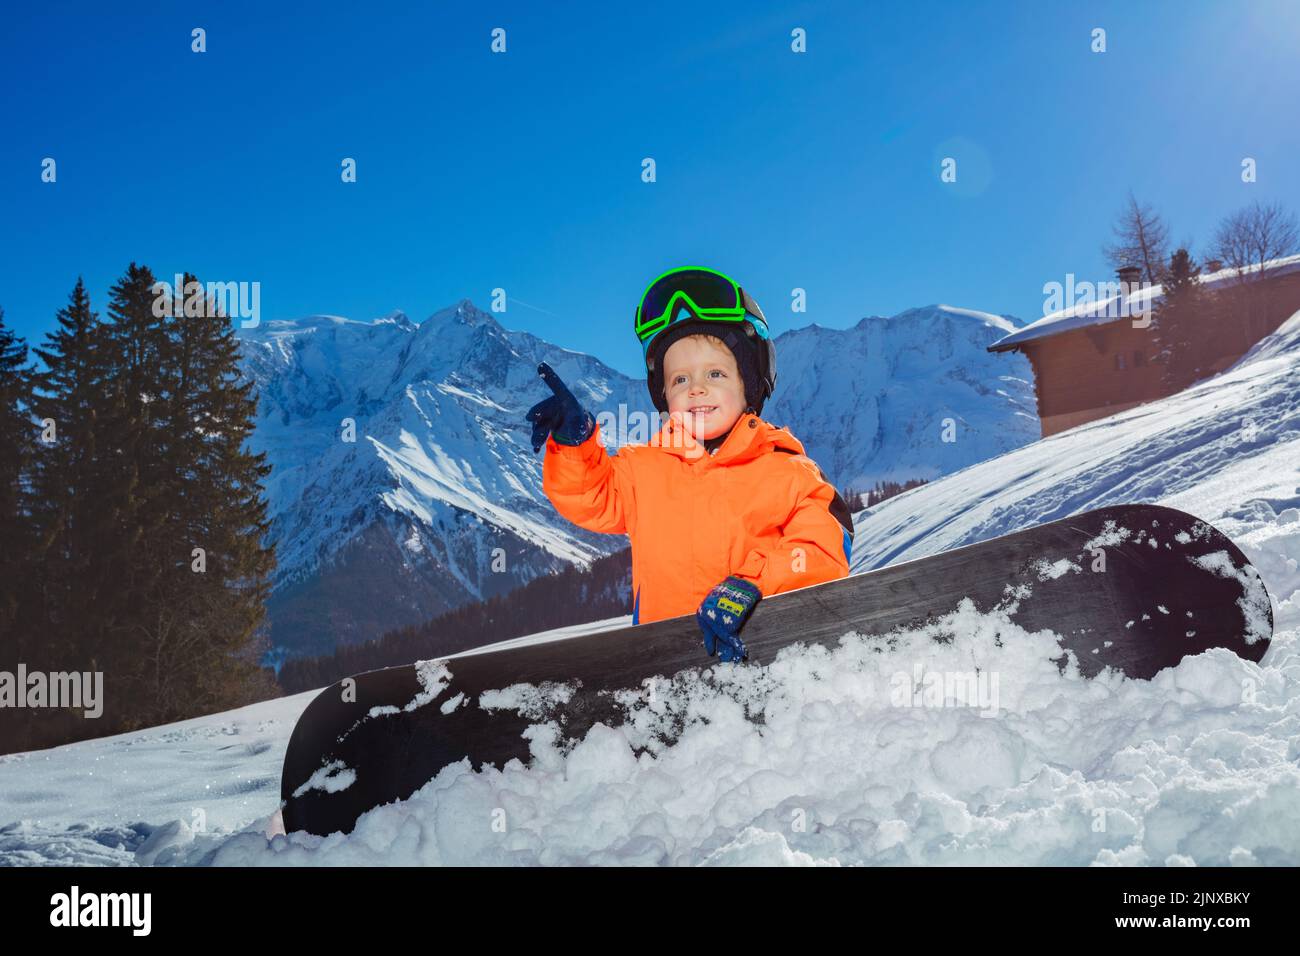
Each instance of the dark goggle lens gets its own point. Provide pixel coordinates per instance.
(706, 289)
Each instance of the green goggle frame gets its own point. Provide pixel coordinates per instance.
(705, 294)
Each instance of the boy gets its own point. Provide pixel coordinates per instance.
(721, 506)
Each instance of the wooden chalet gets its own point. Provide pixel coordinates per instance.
(1097, 359)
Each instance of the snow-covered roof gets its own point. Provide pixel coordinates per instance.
(1112, 309)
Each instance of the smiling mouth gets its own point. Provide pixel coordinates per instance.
(703, 409)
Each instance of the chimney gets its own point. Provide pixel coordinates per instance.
(1129, 277)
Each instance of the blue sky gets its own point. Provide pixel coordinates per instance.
(523, 170)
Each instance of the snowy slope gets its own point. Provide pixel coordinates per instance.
(1055, 770)
(1227, 450)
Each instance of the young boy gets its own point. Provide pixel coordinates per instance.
(721, 507)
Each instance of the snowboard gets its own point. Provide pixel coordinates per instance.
(1132, 587)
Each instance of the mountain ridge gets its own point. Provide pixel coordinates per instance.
(437, 500)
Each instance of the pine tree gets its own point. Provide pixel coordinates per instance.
(74, 404)
(17, 438)
(120, 484)
(138, 338)
(146, 421)
(1180, 321)
(202, 642)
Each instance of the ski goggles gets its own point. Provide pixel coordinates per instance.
(693, 293)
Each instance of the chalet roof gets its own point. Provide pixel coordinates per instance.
(1105, 311)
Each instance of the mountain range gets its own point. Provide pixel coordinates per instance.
(404, 483)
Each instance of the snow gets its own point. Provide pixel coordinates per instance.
(1113, 308)
(101, 801)
(975, 750)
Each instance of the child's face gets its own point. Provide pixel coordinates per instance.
(699, 374)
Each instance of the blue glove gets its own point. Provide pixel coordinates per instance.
(723, 613)
(560, 414)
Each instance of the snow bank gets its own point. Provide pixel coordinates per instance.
(125, 799)
(906, 751)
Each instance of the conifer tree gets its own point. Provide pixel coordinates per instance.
(147, 514)
(1181, 323)
(18, 439)
(204, 640)
(74, 403)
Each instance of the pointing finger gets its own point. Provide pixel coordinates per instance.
(552, 380)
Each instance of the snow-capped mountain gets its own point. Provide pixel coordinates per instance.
(438, 501)
(915, 395)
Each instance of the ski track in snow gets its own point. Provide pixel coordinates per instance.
(1198, 766)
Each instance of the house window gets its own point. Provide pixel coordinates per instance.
(1121, 361)
(1139, 358)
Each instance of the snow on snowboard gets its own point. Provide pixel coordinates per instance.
(1132, 587)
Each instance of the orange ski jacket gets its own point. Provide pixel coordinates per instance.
(758, 508)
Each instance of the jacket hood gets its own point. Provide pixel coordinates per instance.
(749, 438)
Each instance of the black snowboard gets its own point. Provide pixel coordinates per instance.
(1159, 564)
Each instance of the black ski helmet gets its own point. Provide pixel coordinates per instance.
(694, 300)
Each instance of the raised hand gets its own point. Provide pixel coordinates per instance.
(559, 415)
